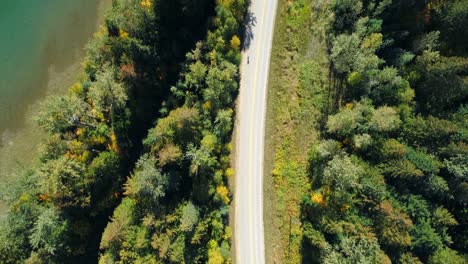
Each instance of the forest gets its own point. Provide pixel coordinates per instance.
(136, 164)
(369, 122)
(389, 175)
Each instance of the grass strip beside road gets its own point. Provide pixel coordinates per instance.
(297, 81)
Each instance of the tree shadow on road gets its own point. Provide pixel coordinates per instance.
(249, 23)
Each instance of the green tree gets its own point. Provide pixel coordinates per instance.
(393, 149)
(353, 250)
(362, 141)
(442, 217)
(427, 42)
(49, 235)
(124, 216)
(454, 15)
(196, 76)
(148, 183)
(458, 166)
(177, 250)
(105, 176)
(346, 13)
(16, 228)
(446, 255)
(426, 240)
(431, 132)
(202, 158)
(408, 258)
(62, 113)
(52, 148)
(350, 120)
(179, 127)
(343, 176)
(132, 17)
(345, 53)
(221, 84)
(387, 87)
(327, 149)
(443, 86)
(64, 181)
(401, 169)
(223, 123)
(385, 119)
(189, 218)
(106, 93)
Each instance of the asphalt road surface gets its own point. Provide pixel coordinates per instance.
(249, 236)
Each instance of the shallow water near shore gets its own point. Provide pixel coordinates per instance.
(41, 48)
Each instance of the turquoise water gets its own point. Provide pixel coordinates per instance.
(38, 37)
(41, 46)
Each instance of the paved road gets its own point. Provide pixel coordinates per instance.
(249, 236)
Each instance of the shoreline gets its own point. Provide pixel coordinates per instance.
(19, 145)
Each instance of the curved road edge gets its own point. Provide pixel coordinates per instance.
(251, 112)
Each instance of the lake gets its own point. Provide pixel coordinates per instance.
(41, 46)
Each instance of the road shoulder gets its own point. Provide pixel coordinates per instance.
(298, 76)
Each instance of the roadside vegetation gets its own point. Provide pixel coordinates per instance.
(297, 92)
(385, 175)
(164, 190)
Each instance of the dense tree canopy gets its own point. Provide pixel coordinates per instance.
(387, 176)
(59, 210)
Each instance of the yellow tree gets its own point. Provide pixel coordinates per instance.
(235, 42)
